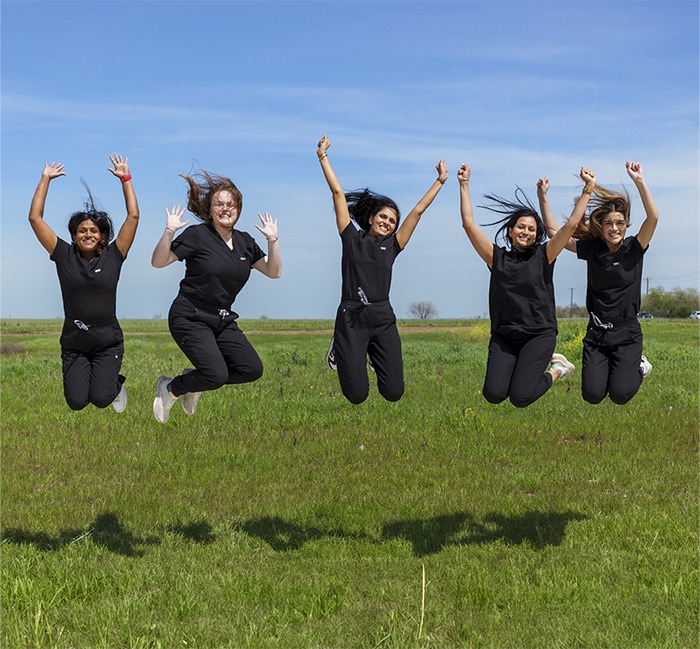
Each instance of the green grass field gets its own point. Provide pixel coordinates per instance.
(282, 516)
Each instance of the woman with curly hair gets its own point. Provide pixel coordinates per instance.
(218, 260)
(365, 324)
(521, 293)
(92, 343)
(613, 363)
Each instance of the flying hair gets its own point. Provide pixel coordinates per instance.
(90, 212)
(202, 187)
(512, 210)
(364, 204)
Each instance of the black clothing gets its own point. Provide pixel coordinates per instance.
(612, 347)
(214, 273)
(215, 346)
(521, 291)
(516, 368)
(200, 319)
(523, 325)
(92, 343)
(365, 323)
(614, 290)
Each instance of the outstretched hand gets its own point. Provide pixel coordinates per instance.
(464, 173)
(53, 170)
(269, 227)
(441, 168)
(542, 187)
(634, 170)
(174, 218)
(121, 165)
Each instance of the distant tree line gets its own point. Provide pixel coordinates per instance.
(676, 303)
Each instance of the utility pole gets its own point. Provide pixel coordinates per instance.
(571, 304)
(647, 286)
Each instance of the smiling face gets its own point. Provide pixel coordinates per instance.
(614, 227)
(224, 212)
(89, 239)
(383, 223)
(524, 232)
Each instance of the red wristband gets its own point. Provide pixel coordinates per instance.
(125, 179)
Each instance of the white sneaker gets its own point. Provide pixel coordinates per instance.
(164, 401)
(330, 357)
(190, 399)
(119, 404)
(560, 362)
(645, 366)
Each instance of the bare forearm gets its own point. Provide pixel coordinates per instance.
(36, 211)
(161, 256)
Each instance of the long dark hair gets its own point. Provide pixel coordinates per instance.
(202, 187)
(512, 211)
(90, 213)
(363, 204)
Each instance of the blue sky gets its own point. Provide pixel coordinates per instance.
(517, 89)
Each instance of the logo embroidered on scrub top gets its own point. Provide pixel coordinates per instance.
(98, 270)
(382, 247)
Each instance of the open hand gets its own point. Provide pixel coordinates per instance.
(174, 218)
(269, 227)
(53, 170)
(121, 165)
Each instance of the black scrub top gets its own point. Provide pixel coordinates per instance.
(214, 273)
(89, 290)
(614, 290)
(367, 263)
(521, 291)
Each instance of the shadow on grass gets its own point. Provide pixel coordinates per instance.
(106, 531)
(283, 536)
(431, 535)
(196, 531)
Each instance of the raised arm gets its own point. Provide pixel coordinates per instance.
(405, 231)
(550, 223)
(479, 240)
(47, 237)
(562, 237)
(646, 232)
(162, 255)
(271, 265)
(120, 169)
(340, 205)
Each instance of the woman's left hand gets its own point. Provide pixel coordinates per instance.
(121, 165)
(269, 227)
(542, 187)
(588, 177)
(442, 171)
(634, 170)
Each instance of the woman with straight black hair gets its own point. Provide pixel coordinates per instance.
(365, 324)
(218, 260)
(92, 343)
(613, 363)
(521, 293)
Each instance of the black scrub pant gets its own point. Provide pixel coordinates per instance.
(611, 363)
(91, 360)
(362, 330)
(216, 347)
(517, 368)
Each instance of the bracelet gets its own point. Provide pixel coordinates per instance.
(125, 179)
(272, 240)
(325, 155)
(167, 229)
(588, 191)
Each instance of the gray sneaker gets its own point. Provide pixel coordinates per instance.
(164, 401)
(119, 404)
(645, 366)
(330, 357)
(560, 362)
(190, 399)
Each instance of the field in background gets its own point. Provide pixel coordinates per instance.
(282, 516)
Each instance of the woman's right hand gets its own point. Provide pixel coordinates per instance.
(464, 174)
(174, 218)
(323, 145)
(588, 178)
(542, 187)
(53, 170)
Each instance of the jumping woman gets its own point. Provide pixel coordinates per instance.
(365, 324)
(521, 294)
(218, 259)
(613, 363)
(92, 343)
